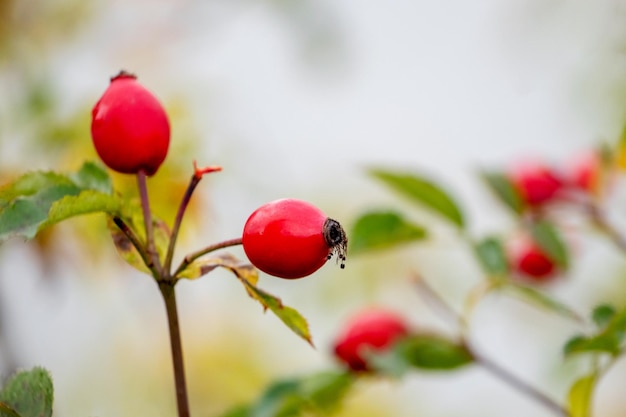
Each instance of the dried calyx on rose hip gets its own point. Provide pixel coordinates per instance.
(291, 238)
(373, 330)
(129, 127)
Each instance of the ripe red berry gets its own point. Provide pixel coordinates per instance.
(291, 238)
(532, 262)
(129, 127)
(536, 183)
(373, 329)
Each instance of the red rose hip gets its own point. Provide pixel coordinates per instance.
(533, 263)
(129, 127)
(373, 329)
(536, 183)
(291, 239)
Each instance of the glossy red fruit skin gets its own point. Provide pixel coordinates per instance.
(533, 263)
(129, 128)
(536, 183)
(285, 238)
(374, 329)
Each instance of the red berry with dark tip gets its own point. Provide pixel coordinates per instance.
(372, 329)
(537, 184)
(129, 127)
(291, 239)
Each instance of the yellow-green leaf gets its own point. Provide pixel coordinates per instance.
(580, 396)
(249, 276)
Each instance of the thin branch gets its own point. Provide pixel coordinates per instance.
(437, 303)
(193, 183)
(147, 219)
(519, 384)
(598, 217)
(440, 305)
(195, 255)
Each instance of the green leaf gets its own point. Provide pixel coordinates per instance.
(422, 191)
(317, 394)
(28, 393)
(602, 315)
(423, 351)
(492, 257)
(434, 352)
(383, 230)
(280, 400)
(609, 338)
(92, 176)
(605, 343)
(549, 239)
(324, 391)
(86, 202)
(579, 398)
(504, 190)
(539, 299)
(26, 203)
(288, 315)
(249, 276)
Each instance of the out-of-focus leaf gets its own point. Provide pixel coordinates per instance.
(547, 236)
(608, 339)
(580, 396)
(606, 343)
(39, 199)
(383, 230)
(602, 315)
(422, 191)
(504, 190)
(539, 299)
(325, 390)
(423, 351)
(6, 411)
(492, 258)
(317, 394)
(29, 393)
(621, 151)
(280, 400)
(240, 411)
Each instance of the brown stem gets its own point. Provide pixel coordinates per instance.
(599, 219)
(147, 219)
(195, 255)
(193, 182)
(169, 297)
